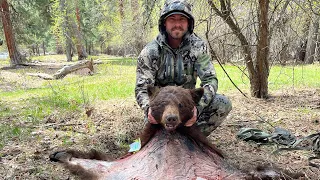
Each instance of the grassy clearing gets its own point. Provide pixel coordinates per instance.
(281, 77)
(114, 79)
(38, 117)
(33, 99)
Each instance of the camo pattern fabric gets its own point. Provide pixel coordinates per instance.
(176, 5)
(213, 115)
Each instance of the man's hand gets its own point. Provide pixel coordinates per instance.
(207, 97)
(150, 117)
(191, 121)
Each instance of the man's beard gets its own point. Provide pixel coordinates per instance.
(178, 34)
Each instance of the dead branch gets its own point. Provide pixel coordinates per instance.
(61, 73)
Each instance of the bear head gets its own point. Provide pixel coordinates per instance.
(173, 106)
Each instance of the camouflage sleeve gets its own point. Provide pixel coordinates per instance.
(207, 75)
(145, 75)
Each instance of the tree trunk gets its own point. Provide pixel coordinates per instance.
(92, 47)
(138, 36)
(82, 54)
(102, 48)
(78, 15)
(81, 50)
(318, 48)
(135, 9)
(121, 9)
(44, 48)
(59, 49)
(66, 31)
(262, 66)
(225, 14)
(258, 71)
(312, 39)
(15, 56)
(148, 6)
(38, 49)
(69, 49)
(302, 43)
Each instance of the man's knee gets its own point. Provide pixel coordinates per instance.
(212, 116)
(223, 104)
(220, 105)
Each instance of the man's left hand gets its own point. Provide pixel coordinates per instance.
(191, 121)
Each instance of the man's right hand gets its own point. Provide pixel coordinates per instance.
(150, 117)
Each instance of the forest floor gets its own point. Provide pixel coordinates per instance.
(114, 123)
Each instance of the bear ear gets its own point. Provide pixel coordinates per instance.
(152, 90)
(197, 94)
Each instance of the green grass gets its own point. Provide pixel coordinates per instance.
(4, 62)
(114, 79)
(280, 77)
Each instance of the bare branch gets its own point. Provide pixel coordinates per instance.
(314, 11)
(214, 55)
(149, 14)
(213, 6)
(280, 17)
(223, 7)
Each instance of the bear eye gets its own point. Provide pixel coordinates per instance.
(180, 105)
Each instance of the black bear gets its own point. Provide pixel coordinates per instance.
(174, 108)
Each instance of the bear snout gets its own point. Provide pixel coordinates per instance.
(171, 122)
(172, 118)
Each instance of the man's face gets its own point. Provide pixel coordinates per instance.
(176, 25)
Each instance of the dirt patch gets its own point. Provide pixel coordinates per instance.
(113, 124)
(298, 112)
(10, 81)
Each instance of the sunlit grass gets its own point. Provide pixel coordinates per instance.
(52, 58)
(116, 79)
(4, 62)
(237, 76)
(280, 77)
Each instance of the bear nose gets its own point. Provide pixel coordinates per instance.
(171, 118)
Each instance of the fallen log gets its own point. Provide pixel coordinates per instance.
(52, 65)
(61, 73)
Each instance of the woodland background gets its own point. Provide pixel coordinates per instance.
(123, 27)
(269, 49)
(256, 33)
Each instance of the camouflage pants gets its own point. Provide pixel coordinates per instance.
(210, 117)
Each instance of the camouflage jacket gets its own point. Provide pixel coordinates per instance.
(160, 65)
